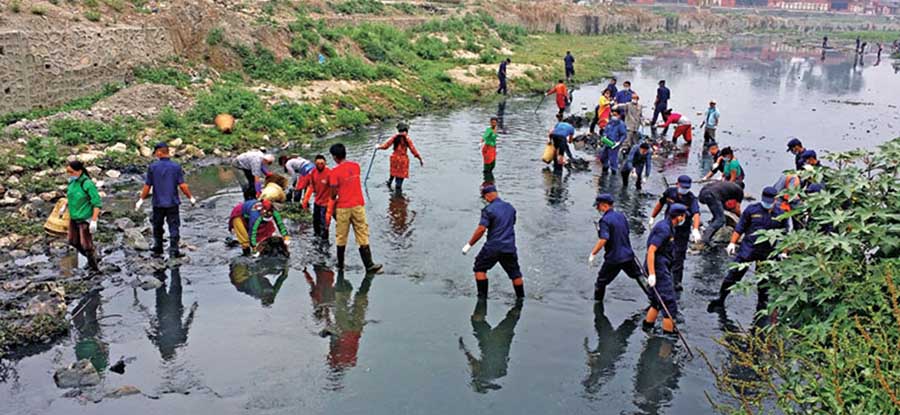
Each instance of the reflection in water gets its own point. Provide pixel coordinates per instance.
(89, 342)
(501, 116)
(657, 375)
(321, 292)
(555, 189)
(349, 321)
(611, 345)
(401, 220)
(169, 330)
(254, 277)
(494, 344)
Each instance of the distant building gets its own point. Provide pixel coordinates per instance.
(806, 5)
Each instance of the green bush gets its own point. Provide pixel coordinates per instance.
(78, 104)
(171, 119)
(225, 99)
(430, 48)
(834, 349)
(72, 132)
(358, 7)
(162, 75)
(92, 15)
(215, 36)
(260, 63)
(41, 153)
(350, 119)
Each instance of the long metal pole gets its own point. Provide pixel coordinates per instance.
(666, 309)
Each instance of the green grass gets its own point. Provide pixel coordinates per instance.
(869, 36)
(595, 57)
(78, 104)
(162, 75)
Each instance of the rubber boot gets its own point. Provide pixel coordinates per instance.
(719, 303)
(174, 249)
(482, 286)
(599, 293)
(341, 250)
(246, 252)
(366, 253)
(157, 250)
(520, 291)
(650, 320)
(390, 182)
(668, 326)
(93, 263)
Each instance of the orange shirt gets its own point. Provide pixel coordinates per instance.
(317, 182)
(561, 94)
(344, 181)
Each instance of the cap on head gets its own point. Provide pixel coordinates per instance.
(814, 188)
(677, 209)
(645, 146)
(731, 204)
(684, 181)
(487, 189)
(712, 144)
(662, 81)
(808, 154)
(712, 102)
(793, 142)
(269, 158)
(768, 194)
(159, 145)
(267, 205)
(604, 198)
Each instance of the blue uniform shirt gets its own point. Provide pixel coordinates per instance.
(615, 130)
(570, 61)
(755, 218)
(165, 176)
(563, 129)
(623, 96)
(671, 196)
(798, 163)
(612, 91)
(502, 71)
(614, 228)
(499, 218)
(662, 237)
(662, 94)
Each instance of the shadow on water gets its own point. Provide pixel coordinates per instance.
(658, 372)
(170, 326)
(346, 332)
(494, 344)
(611, 345)
(261, 280)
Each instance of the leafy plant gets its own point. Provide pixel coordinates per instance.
(162, 75)
(92, 15)
(215, 36)
(74, 132)
(41, 153)
(836, 297)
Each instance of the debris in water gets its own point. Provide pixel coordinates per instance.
(80, 373)
(126, 390)
(849, 102)
(118, 367)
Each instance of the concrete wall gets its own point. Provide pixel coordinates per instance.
(40, 69)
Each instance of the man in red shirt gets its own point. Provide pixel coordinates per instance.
(347, 199)
(317, 182)
(562, 95)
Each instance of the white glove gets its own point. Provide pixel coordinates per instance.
(651, 280)
(93, 226)
(466, 249)
(591, 259)
(193, 201)
(377, 147)
(808, 167)
(695, 235)
(731, 249)
(782, 256)
(634, 173)
(137, 206)
(715, 166)
(256, 254)
(650, 222)
(287, 242)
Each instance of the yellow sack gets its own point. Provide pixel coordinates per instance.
(273, 193)
(549, 152)
(58, 222)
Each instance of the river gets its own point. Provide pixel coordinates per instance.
(226, 337)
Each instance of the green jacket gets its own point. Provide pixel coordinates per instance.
(489, 137)
(259, 220)
(82, 198)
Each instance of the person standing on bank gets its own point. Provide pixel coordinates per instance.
(84, 206)
(501, 76)
(570, 66)
(612, 234)
(498, 219)
(347, 200)
(399, 160)
(165, 178)
(684, 233)
(710, 122)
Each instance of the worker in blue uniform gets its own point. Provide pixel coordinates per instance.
(660, 245)
(612, 234)
(616, 132)
(687, 232)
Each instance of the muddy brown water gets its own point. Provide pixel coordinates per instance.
(227, 336)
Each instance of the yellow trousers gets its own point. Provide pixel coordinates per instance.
(355, 216)
(240, 232)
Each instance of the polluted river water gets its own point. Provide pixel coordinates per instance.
(226, 335)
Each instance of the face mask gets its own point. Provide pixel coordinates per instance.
(72, 179)
(683, 191)
(267, 218)
(728, 158)
(680, 222)
(766, 205)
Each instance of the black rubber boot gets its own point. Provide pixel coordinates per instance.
(482, 286)
(341, 250)
(174, 249)
(599, 294)
(157, 250)
(716, 305)
(93, 262)
(624, 178)
(520, 291)
(246, 252)
(371, 267)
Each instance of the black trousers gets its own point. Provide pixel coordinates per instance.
(609, 272)
(169, 216)
(249, 188)
(319, 228)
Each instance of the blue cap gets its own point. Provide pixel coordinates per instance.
(793, 142)
(161, 144)
(677, 209)
(604, 198)
(768, 194)
(306, 168)
(684, 181)
(488, 189)
(814, 188)
(807, 154)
